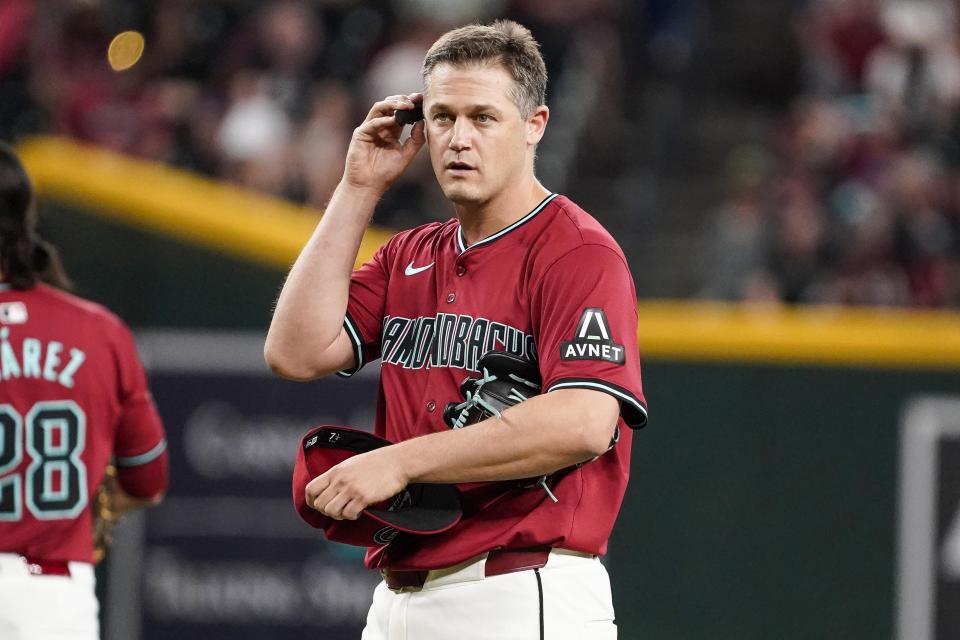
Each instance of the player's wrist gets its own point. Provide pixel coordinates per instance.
(406, 461)
(361, 190)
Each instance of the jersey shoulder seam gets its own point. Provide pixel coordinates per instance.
(83, 306)
(563, 208)
(566, 214)
(435, 225)
(585, 243)
(394, 241)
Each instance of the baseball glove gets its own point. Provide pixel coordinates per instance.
(105, 513)
(505, 380)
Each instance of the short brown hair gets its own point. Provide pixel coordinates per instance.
(503, 42)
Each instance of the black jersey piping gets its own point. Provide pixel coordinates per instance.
(634, 412)
(461, 245)
(354, 336)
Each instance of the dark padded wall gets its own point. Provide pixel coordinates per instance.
(152, 280)
(763, 503)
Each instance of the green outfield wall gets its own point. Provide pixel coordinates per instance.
(155, 280)
(763, 502)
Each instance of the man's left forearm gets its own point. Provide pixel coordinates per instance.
(534, 438)
(542, 435)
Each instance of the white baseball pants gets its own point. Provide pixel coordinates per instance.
(568, 599)
(47, 607)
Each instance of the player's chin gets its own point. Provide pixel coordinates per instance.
(460, 193)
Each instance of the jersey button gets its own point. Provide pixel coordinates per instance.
(431, 406)
(451, 297)
(461, 271)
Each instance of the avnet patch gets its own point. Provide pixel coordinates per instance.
(592, 340)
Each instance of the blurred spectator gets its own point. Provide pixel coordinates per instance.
(917, 72)
(15, 19)
(837, 38)
(738, 232)
(323, 144)
(396, 68)
(16, 24)
(254, 136)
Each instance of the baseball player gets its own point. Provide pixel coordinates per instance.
(72, 394)
(519, 269)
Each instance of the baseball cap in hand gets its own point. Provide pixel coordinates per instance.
(420, 509)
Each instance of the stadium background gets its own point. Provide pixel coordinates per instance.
(784, 177)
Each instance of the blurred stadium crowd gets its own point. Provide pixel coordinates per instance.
(851, 194)
(855, 196)
(264, 94)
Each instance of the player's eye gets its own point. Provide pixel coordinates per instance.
(441, 117)
(484, 118)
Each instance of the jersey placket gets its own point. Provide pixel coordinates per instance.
(451, 294)
(451, 281)
(445, 293)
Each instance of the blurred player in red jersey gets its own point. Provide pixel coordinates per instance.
(521, 270)
(73, 395)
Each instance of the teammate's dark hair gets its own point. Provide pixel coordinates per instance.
(504, 42)
(25, 258)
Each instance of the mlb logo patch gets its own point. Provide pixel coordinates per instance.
(13, 313)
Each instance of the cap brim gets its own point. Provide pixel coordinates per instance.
(434, 508)
(418, 509)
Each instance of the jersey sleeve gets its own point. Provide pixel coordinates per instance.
(364, 318)
(140, 444)
(584, 315)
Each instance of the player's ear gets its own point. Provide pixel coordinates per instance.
(537, 124)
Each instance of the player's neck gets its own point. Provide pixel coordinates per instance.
(483, 220)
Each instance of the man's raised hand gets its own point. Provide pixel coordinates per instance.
(376, 156)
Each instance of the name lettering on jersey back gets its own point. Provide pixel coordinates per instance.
(449, 340)
(39, 360)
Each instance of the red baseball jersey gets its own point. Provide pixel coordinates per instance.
(553, 287)
(73, 393)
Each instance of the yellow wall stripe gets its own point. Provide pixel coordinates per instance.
(898, 338)
(194, 209)
(272, 232)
